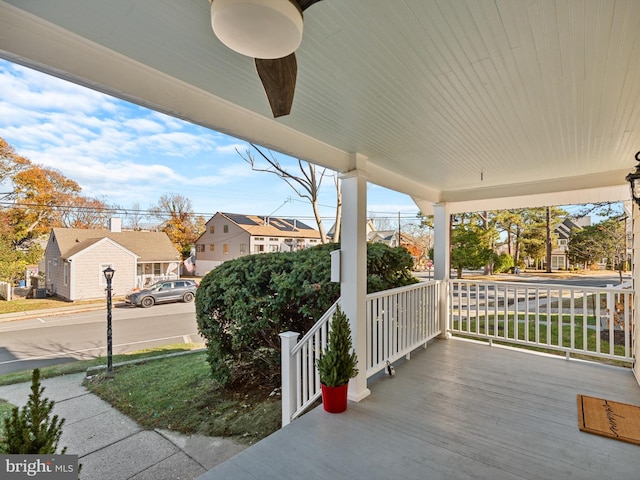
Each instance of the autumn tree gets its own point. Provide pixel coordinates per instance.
(179, 222)
(39, 198)
(306, 184)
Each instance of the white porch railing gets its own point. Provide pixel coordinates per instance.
(576, 320)
(398, 321)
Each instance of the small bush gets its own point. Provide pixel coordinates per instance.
(502, 263)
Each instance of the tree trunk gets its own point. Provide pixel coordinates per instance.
(316, 213)
(336, 228)
(548, 240)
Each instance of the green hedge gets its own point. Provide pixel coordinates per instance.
(243, 305)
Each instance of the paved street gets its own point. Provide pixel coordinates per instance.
(37, 342)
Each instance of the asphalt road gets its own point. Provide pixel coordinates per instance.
(38, 342)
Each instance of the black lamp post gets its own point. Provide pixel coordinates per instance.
(634, 180)
(108, 275)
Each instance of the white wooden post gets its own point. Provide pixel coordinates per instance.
(289, 372)
(353, 275)
(442, 260)
(611, 308)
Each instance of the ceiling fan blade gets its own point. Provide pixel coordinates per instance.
(278, 77)
(304, 4)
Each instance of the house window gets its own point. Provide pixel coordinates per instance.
(212, 248)
(259, 239)
(225, 249)
(225, 228)
(212, 229)
(66, 274)
(258, 248)
(200, 247)
(55, 262)
(157, 269)
(273, 239)
(274, 248)
(101, 269)
(243, 249)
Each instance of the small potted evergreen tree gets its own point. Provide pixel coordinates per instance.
(337, 364)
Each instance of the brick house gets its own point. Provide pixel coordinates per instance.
(75, 259)
(230, 235)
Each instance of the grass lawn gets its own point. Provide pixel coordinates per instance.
(175, 393)
(565, 338)
(28, 304)
(178, 394)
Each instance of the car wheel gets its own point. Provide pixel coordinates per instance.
(147, 302)
(188, 297)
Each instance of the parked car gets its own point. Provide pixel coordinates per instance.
(163, 292)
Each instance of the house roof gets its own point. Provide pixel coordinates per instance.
(148, 246)
(511, 103)
(271, 226)
(564, 229)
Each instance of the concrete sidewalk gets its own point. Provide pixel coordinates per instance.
(111, 446)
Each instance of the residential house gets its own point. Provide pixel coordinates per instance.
(560, 254)
(231, 235)
(75, 259)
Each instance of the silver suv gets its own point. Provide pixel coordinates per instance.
(163, 292)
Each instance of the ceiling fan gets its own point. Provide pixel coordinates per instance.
(269, 31)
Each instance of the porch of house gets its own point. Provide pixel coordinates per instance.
(456, 410)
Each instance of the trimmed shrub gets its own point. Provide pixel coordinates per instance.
(243, 305)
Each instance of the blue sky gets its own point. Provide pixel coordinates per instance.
(127, 155)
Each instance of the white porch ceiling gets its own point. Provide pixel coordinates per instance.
(479, 103)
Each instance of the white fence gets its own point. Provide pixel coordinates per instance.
(398, 321)
(574, 320)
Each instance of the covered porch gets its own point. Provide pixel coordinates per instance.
(458, 410)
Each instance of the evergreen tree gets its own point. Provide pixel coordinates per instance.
(338, 363)
(32, 429)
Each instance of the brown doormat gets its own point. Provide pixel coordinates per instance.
(609, 419)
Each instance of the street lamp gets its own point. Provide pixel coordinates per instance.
(108, 275)
(634, 180)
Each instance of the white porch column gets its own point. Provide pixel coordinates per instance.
(442, 259)
(635, 283)
(353, 272)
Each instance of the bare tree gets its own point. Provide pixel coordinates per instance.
(306, 185)
(338, 222)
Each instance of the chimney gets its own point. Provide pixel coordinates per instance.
(115, 225)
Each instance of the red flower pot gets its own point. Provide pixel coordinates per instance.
(334, 399)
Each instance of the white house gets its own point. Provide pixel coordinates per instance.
(75, 259)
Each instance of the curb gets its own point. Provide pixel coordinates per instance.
(48, 312)
(100, 368)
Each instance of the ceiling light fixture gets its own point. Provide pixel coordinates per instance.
(634, 180)
(265, 29)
